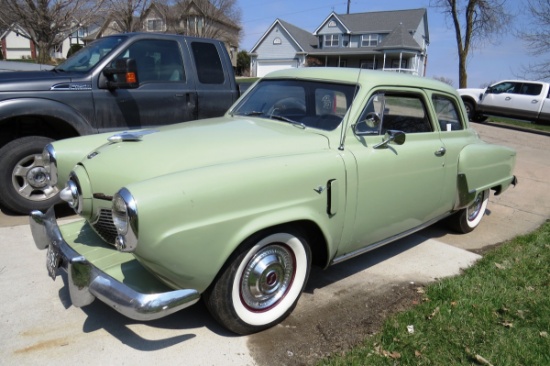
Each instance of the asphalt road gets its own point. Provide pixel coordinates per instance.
(38, 325)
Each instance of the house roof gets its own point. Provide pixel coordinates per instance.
(379, 21)
(399, 38)
(303, 39)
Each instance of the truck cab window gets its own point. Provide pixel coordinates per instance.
(157, 60)
(208, 63)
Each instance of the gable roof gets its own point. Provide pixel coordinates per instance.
(399, 38)
(379, 21)
(302, 38)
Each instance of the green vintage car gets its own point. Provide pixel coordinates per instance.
(311, 166)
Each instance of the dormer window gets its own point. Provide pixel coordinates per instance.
(277, 41)
(155, 25)
(369, 40)
(332, 40)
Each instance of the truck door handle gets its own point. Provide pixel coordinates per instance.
(534, 101)
(507, 98)
(441, 151)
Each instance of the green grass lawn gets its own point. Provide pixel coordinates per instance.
(516, 123)
(496, 313)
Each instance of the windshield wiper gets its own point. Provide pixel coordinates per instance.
(286, 119)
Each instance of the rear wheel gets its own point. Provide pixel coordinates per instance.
(24, 183)
(261, 284)
(467, 219)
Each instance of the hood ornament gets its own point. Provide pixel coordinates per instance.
(130, 136)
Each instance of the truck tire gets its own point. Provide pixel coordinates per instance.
(472, 114)
(262, 282)
(23, 179)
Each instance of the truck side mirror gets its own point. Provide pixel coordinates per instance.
(123, 75)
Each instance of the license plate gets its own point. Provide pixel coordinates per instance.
(53, 259)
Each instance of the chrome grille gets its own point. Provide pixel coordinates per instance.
(105, 227)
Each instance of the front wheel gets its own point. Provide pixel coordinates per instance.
(467, 219)
(261, 284)
(24, 183)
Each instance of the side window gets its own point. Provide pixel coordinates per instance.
(208, 63)
(157, 60)
(447, 114)
(505, 87)
(530, 89)
(385, 112)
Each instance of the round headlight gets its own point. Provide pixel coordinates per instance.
(125, 220)
(120, 214)
(50, 163)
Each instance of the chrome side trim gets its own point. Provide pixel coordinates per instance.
(376, 245)
(86, 282)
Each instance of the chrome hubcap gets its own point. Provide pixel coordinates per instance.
(474, 209)
(30, 179)
(267, 277)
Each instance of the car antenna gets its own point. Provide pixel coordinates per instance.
(345, 124)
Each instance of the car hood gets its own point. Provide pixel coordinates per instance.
(31, 80)
(193, 145)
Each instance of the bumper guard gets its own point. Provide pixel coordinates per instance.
(86, 282)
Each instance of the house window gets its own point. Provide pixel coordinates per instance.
(395, 64)
(332, 24)
(195, 25)
(154, 25)
(332, 40)
(277, 41)
(369, 64)
(369, 40)
(343, 63)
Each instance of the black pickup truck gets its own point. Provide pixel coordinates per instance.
(119, 82)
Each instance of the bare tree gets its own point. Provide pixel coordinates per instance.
(220, 19)
(444, 80)
(125, 12)
(48, 22)
(537, 37)
(475, 22)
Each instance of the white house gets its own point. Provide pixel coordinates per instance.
(15, 44)
(386, 40)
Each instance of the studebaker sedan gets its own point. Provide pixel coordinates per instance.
(311, 166)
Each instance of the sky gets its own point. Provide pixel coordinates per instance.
(487, 64)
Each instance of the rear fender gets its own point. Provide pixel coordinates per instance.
(483, 166)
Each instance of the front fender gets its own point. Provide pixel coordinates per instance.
(191, 222)
(47, 108)
(483, 166)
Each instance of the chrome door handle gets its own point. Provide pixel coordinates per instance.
(441, 151)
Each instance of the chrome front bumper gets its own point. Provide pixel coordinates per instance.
(86, 282)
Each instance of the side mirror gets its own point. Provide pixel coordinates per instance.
(123, 75)
(392, 136)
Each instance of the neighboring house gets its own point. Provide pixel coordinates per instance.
(194, 18)
(16, 45)
(387, 40)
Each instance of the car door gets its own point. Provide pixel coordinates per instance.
(166, 94)
(528, 101)
(216, 91)
(399, 187)
(498, 99)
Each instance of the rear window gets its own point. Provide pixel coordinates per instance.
(208, 63)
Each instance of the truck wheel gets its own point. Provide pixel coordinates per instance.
(23, 179)
(472, 114)
(262, 283)
(467, 219)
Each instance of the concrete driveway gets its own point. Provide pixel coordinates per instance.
(341, 305)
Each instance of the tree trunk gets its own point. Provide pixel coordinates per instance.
(462, 71)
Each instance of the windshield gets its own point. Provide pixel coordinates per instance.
(85, 59)
(306, 103)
